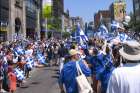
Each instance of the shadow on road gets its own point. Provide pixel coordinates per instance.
(35, 83)
(55, 77)
(23, 87)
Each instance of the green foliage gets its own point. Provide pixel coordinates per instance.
(49, 34)
(73, 29)
(65, 34)
(55, 25)
(137, 26)
(47, 11)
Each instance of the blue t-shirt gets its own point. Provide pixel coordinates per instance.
(69, 73)
(105, 76)
(97, 64)
(89, 61)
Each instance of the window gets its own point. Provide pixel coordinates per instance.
(18, 3)
(137, 6)
(138, 18)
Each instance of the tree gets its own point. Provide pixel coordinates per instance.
(65, 34)
(47, 11)
(54, 24)
(73, 29)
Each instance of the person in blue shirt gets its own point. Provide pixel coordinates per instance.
(104, 76)
(96, 67)
(102, 69)
(69, 73)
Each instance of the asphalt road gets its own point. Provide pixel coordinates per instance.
(42, 80)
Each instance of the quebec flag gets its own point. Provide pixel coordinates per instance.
(30, 63)
(19, 74)
(103, 29)
(123, 37)
(114, 26)
(19, 50)
(41, 58)
(81, 37)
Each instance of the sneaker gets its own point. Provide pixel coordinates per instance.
(24, 81)
(2, 91)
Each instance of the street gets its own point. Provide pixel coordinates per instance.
(42, 80)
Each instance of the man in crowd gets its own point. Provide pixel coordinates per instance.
(126, 79)
(69, 73)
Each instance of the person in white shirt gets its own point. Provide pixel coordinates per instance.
(126, 79)
(29, 51)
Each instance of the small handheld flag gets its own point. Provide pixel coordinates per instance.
(41, 58)
(19, 74)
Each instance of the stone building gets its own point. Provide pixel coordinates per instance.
(12, 19)
(118, 10)
(102, 16)
(18, 18)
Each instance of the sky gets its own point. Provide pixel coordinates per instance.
(87, 8)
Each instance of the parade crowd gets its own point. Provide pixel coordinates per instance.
(19, 58)
(108, 65)
(97, 66)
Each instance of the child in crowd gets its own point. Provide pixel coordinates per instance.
(12, 80)
(20, 64)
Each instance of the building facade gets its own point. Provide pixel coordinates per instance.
(33, 18)
(76, 20)
(4, 19)
(136, 7)
(118, 10)
(58, 12)
(12, 19)
(67, 22)
(103, 16)
(58, 8)
(18, 19)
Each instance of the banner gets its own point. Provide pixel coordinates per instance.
(47, 8)
(47, 14)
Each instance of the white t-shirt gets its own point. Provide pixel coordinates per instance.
(29, 52)
(125, 79)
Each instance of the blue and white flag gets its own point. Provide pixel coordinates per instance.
(19, 50)
(114, 26)
(19, 74)
(123, 37)
(41, 58)
(102, 32)
(109, 37)
(30, 63)
(103, 29)
(81, 38)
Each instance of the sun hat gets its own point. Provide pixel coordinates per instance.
(73, 52)
(130, 51)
